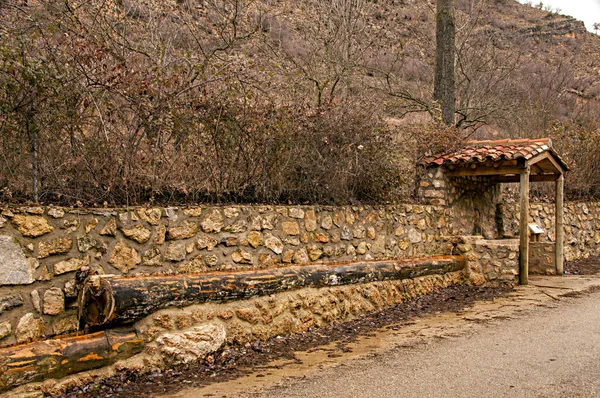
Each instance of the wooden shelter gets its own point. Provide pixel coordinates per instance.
(510, 161)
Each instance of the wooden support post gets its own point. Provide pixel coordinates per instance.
(524, 231)
(558, 226)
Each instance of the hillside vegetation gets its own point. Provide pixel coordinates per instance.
(131, 101)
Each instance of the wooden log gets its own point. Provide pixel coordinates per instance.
(121, 300)
(53, 358)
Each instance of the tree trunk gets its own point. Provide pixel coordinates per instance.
(444, 91)
(121, 300)
(60, 357)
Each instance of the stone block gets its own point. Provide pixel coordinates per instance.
(9, 302)
(55, 246)
(32, 226)
(54, 301)
(16, 270)
(192, 344)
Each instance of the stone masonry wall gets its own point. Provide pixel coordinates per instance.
(41, 248)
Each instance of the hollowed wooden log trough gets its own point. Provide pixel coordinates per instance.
(58, 357)
(111, 300)
(107, 300)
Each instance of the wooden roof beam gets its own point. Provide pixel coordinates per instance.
(484, 171)
(532, 178)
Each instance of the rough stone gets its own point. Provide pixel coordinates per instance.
(255, 239)
(310, 220)
(321, 238)
(55, 246)
(36, 301)
(151, 257)
(288, 256)
(16, 270)
(70, 265)
(45, 275)
(5, 329)
(32, 226)
(124, 258)
(175, 252)
(296, 212)
(346, 233)
(65, 325)
(300, 257)
(56, 213)
(3, 222)
(339, 218)
(151, 216)
(290, 228)
(70, 224)
(267, 260)
(192, 344)
(231, 212)
(237, 227)
(211, 260)
(184, 231)
(54, 301)
(268, 221)
(213, 222)
(85, 243)
(160, 234)
(274, 244)
(403, 244)
(314, 253)
(70, 289)
(414, 235)
(361, 248)
(241, 257)
(378, 246)
(206, 242)
(110, 228)
(91, 225)
(359, 232)
(9, 302)
(29, 328)
(195, 265)
(138, 233)
(327, 222)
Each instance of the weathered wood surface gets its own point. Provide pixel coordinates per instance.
(60, 357)
(120, 300)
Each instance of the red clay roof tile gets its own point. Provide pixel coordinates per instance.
(505, 149)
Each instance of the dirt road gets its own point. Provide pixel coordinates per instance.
(536, 343)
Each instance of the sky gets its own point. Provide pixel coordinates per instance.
(587, 11)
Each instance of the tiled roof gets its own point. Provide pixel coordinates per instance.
(490, 151)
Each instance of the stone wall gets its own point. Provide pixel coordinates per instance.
(41, 248)
(581, 223)
(474, 200)
(541, 258)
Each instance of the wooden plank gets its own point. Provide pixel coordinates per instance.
(121, 300)
(53, 358)
(524, 229)
(559, 226)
